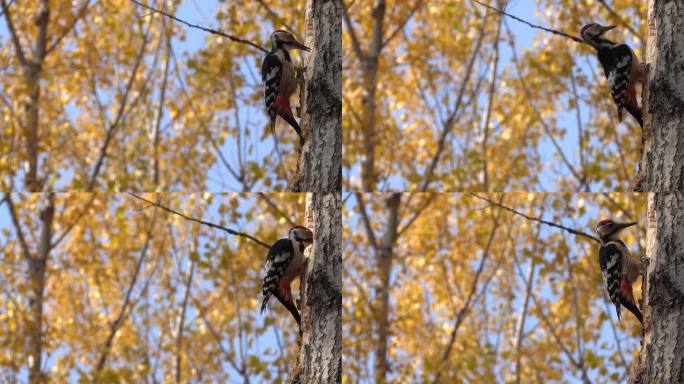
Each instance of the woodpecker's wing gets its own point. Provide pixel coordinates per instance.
(271, 71)
(279, 256)
(610, 258)
(617, 67)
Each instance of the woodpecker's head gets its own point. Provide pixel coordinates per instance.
(286, 40)
(592, 34)
(301, 235)
(608, 228)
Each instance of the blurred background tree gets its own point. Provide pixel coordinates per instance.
(124, 292)
(111, 96)
(448, 288)
(448, 95)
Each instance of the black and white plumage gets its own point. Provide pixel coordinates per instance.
(620, 66)
(278, 76)
(618, 268)
(284, 263)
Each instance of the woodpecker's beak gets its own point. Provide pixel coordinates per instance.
(606, 29)
(625, 225)
(301, 46)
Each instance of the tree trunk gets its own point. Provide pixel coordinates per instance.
(662, 162)
(662, 353)
(319, 168)
(370, 84)
(320, 352)
(384, 257)
(37, 266)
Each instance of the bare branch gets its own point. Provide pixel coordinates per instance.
(549, 223)
(13, 34)
(199, 221)
(17, 226)
(356, 45)
(461, 314)
(119, 115)
(401, 25)
(79, 15)
(451, 120)
(179, 338)
(210, 30)
(278, 212)
(415, 216)
(121, 317)
(71, 226)
(366, 221)
(516, 18)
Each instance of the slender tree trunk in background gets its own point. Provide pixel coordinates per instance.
(37, 266)
(661, 359)
(320, 351)
(319, 168)
(383, 259)
(662, 162)
(369, 63)
(32, 66)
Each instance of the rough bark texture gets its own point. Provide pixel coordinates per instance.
(662, 353)
(662, 163)
(320, 352)
(319, 168)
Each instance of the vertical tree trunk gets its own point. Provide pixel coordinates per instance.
(384, 257)
(662, 163)
(37, 266)
(369, 64)
(662, 353)
(319, 168)
(320, 351)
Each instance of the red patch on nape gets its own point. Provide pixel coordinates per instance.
(283, 106)
(626, 290)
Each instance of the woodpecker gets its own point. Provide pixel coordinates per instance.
(619, 270)
(278, 76)
(620, 66)
(284, 263)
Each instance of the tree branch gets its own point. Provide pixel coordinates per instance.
(209, 30)
(275, 208)
(13, 34)
(199, 221)
(516, 18)
(366, 221)
(549, 223)
(451, 120)
(121, 317)
(17, 226)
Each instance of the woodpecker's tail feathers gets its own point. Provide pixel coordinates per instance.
(635, 111)
(272, 115)
(264, 302)
(293, 123)
(290, 307)
(632, 307)
(619, 314)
